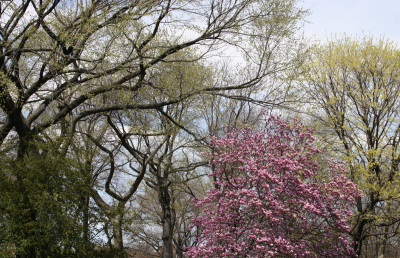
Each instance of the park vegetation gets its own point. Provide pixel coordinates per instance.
(170, 129)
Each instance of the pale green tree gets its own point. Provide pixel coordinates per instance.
(353, 85)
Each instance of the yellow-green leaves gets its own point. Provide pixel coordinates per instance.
(354, 86)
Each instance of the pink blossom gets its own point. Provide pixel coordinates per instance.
(268, 202)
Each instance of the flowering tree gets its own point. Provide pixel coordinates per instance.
(268, 202)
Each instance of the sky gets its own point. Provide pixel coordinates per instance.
(353, 17)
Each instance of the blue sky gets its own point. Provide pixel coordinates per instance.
(353, 17)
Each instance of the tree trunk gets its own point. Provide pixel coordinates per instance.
(382, 247)
(358, 230)
(117, 230)
(167, 223)
(86, 219)
(179, 253)
(357, 240)
(115, 217)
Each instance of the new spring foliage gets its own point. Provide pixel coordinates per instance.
(268, 202)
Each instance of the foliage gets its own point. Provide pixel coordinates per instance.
(42, 204)
(353, 87)
(65, 65)
(63, 60)
(267, 202)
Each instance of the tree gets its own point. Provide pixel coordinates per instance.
(164, 223)
(353, 86)
(62, 55)
(177, 174)
(63, 61)
(268, 202)
(55, 186)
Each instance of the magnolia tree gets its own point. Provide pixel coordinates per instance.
(268, 202)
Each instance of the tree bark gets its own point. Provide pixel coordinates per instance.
(382, 247)
(167, 223)
(179, 253)
(117, 229)
(116, 220)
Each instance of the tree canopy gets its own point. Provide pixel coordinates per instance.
(267, 201)
(353, 86)
(74, 76)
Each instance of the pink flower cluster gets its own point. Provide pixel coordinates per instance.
(268, 202)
